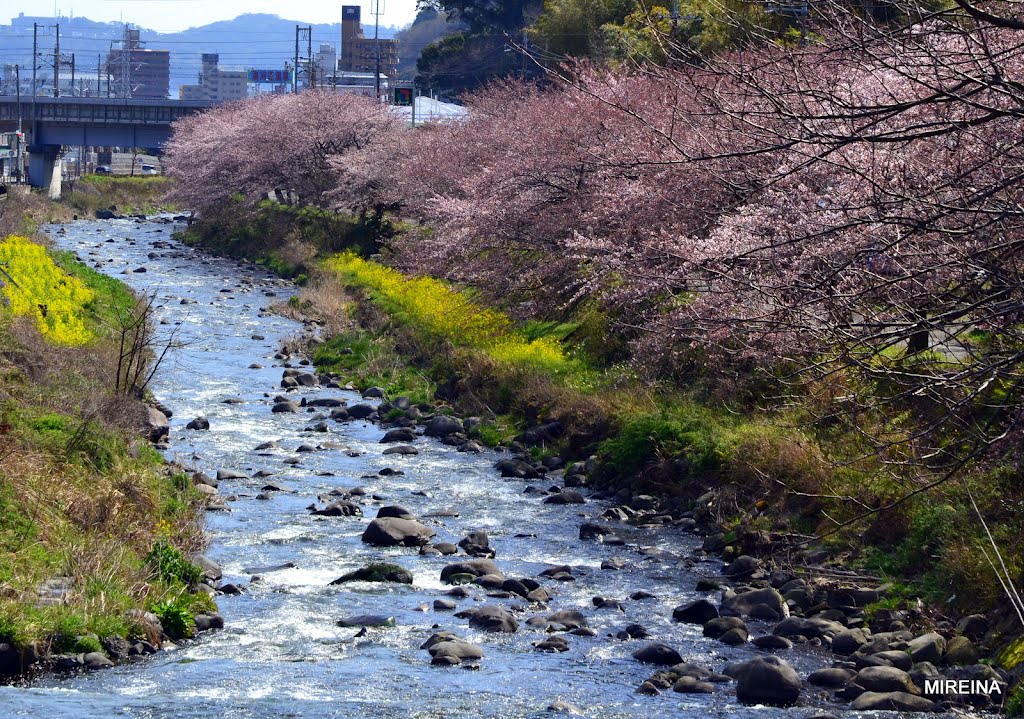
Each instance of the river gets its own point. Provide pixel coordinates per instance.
(281, 653)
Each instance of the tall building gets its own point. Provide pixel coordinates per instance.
(137, 72)
(358, 53)
(215, 83)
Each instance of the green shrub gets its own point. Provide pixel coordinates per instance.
(171, 565)
(176, 617)
(648, 438)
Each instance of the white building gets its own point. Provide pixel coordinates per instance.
(216, 84)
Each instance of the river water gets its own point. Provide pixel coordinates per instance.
(281, 653)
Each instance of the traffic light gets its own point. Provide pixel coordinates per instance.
(403, 95)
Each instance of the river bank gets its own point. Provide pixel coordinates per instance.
(95, 528)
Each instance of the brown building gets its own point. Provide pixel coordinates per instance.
(137, 72)
(358, 53)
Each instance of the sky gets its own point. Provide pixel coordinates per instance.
(176, 15)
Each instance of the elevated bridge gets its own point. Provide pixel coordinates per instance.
(53, 122)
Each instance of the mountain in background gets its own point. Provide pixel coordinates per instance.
(249, 41)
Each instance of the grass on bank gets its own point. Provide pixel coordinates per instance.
(84, 501)
(129, 195)
(773, 471)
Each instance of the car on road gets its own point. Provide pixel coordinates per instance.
(104, 170)
(149, 170)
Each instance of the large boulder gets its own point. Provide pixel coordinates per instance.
(893, 701)
(849, 641)
(475, 567)
(657, 653)
(157, 426)
(754, 602)
(441, 425)
(516, 468)
(490, 618)
(767, 680)
(886, 679)
(810, 628)
(927, 648)
(699, 612)
(392, 531)
(377, 572)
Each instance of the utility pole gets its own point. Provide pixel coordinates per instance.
(73, 74)
(20, 136)
(56, 63)
(377, 10)
(295, 77)
(300, 33)
(99, 67)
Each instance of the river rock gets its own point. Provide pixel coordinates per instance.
(444, 605)
(886, 679)
(699, 612)
(691, 685)
(657, 653)
(973, 626)
(208, 621)
(96, 660)
(516, 468)
(752, 604)
(448, 649)
(490, 618)
(442, 425)
(893, 701)
(552, 644)
(392, 531)
(359, 411)
(211, 570)
(285, 407)
(772, 642)
(199, 423)
(157, 426)
(377, 572)
(927, 648)
(340, 508)
(849, 641)
(831, 677)
(473, 567)
(718, 626)
(396, 511)
(403, 449)
(566, 496)
(810, 628)
(961, 651)
(367, 620)
(742, 567)
(403, 434)
(767, 680)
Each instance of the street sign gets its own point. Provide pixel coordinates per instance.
(403, 95)
(269, 76)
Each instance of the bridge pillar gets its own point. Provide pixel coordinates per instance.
(44, 169)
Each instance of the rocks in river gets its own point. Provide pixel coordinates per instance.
(367, 620)
(812, 627)
(211, 570)
(566, 496)
(157, 426)
(831, 677)
(764, 603)
(927, 648)
(285, 407)
(441, 425)
(392, 531)
(377, 572)
(961, 651)
(742, 567)
(228, 474)
(444, 605)
(359, 411)
(473, 567)
(402, 434)
(325, 402)
(849, 641)
(96, 660)
(208, 621)
(516, 468)
(698, 612)
(973, 626)
(403, 449)
(374, 393)
(771, 642)
(657, 653)
(893, 701)
(719, 626)
(552, 644)
(766, 680)
(490, 618)
(885, 679)
(449, 649)
(396, 511)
